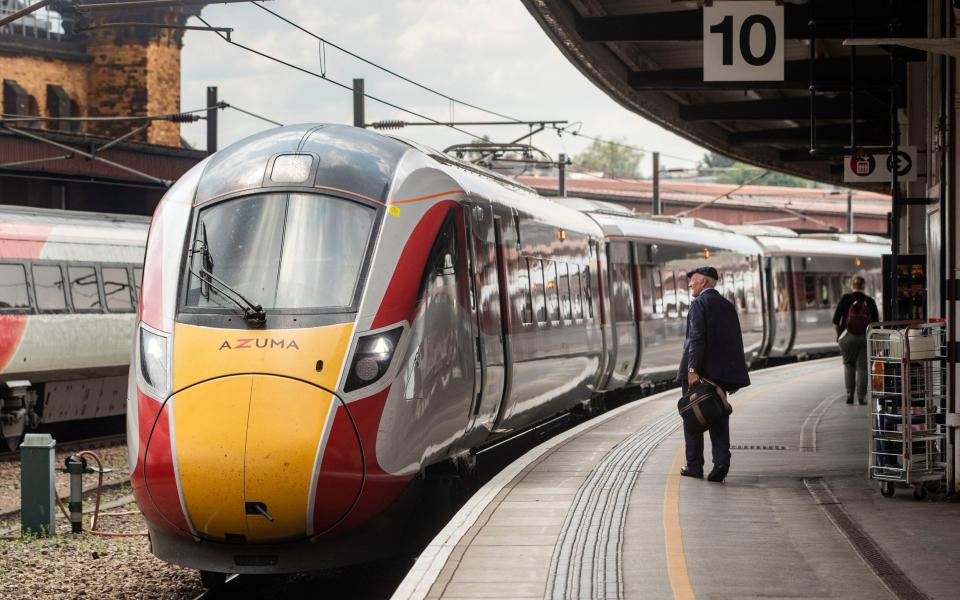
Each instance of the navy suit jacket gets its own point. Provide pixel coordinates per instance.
(714, 343)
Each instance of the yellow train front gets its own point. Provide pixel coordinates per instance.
(253, 330)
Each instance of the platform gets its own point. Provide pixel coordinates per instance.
(600, 511)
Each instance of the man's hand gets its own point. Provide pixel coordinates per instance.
(692, 377)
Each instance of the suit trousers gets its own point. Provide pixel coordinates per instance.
(719, 442)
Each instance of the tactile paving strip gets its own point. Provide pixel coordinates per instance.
(586, 562)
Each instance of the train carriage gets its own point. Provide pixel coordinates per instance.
(69, 284)
(808, 275)
(327, 312)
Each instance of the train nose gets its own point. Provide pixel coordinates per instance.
(249, 451)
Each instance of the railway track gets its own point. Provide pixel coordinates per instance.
(90, 443)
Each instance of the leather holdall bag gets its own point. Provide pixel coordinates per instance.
(703, 405)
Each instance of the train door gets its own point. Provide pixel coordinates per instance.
(781, 302)
(506, 233)
(486, 316)
(622, 299)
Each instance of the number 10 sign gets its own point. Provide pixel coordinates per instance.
(743, 41)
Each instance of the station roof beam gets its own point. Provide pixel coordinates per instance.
(831, 74)
(784, 109)
(687, 25)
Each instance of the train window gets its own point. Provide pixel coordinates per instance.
(824, 292)
(729, 288)
(748, 286)
(442, 260)
(836, 291)
(588, 289)
(646, 290)
(84, 289)
(538, 289)
(741, 293)
(809, 291)
(563, 287)
(683, 294)
(670, 294)
(576, 291)
(49, 288)
(292, 252)
(116, 289)
(657, 291)
(13, 289)
(137, 282)
(523, 273)
(553, 296)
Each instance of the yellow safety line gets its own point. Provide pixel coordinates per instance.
(673, 534)
(672, 531)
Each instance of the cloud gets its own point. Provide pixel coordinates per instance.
(491, 54)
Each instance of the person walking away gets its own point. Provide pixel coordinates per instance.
(854, 314)
(713, 351)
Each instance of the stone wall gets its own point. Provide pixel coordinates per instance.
(122, 71)
(33, 73)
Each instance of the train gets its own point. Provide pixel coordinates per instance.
(328, 313)
(69, 286)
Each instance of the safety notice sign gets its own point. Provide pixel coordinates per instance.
(879, 167)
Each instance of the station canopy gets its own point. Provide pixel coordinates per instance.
(648, 56)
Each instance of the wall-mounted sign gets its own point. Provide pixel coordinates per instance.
(743, 41)
(879, 167)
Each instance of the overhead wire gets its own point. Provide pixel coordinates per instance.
(335, 82)
(324, 42)
(380, 67)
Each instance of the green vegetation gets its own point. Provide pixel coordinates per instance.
(612, 157)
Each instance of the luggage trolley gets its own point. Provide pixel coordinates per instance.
(908, 389)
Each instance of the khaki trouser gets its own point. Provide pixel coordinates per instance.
(853, 349)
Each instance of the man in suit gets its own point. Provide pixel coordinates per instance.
(712, 350)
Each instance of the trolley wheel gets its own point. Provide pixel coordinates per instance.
(213, 581)
(919, 492)
(887, 489)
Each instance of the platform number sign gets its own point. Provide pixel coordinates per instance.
(743, 41)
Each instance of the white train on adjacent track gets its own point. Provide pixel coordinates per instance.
(69, 284)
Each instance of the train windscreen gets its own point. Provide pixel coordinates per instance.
(282, 251)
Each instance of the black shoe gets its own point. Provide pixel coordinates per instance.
(718, 473)
(861, 402)
(850, 398)
(686, 472)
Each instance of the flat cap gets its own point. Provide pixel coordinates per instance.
(707, 271)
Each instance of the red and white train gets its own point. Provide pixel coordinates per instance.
(69, 283)
(326, 312)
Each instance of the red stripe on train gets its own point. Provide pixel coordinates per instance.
(154, 479)
(399, 301)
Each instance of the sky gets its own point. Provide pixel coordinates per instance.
(490, 53)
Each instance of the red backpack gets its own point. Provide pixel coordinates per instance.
(858, 317)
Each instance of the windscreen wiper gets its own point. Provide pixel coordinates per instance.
(251, 312)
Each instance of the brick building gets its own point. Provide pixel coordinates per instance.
(60, 63)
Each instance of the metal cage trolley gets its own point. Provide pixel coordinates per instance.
(908, 387)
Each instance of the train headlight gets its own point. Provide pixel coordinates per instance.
(371, 359)
(154, 372)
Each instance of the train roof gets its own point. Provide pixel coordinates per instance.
(817, 246)
(668, 231)
(69, 226)
(503, 190)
